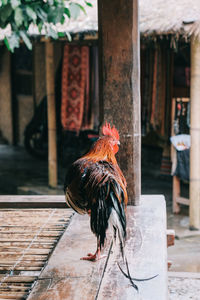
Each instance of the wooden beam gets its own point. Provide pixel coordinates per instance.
(163, 90)
(87, 37)
(8, 112)
(154, 89)
(183, 200)
(195, 135)
(176, 194)
(51, 107)
(170, 237)
(36, 201)
(120, 84)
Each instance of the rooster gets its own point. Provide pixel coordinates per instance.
(95, 185)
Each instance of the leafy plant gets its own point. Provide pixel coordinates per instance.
(20, 14)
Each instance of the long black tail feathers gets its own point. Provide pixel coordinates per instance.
(128, 276)
(131, 279)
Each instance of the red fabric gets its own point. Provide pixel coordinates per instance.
(75, 88)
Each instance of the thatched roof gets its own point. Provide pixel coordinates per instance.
(177, 17)
(157, 18)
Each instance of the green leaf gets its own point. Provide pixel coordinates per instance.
(18, 16)
(15, 3)
(60, 13)
(60, 2)
(68, 36)
(12, 41)
(52, 33)
(55, 15)
(40, 26)
(30, 12)
(42, 14)
(61, 34)
(67, 12)
(62, 21)
(26, 39)
(21, 13)
(5, 13)
(26, 24)
(82, 8)
(50, 2)
(74, 10)
(7, 44)
(52, 15)
(88, 4)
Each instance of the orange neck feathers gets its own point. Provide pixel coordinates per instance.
(105, 148)
(102, 150)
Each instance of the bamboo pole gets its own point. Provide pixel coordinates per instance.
(51, 109)
(195, 135)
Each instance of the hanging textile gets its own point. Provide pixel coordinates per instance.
(75, 88)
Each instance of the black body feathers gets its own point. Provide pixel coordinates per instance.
(96, 188)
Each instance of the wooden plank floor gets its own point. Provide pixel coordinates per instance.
(27, 238)
(65, 277)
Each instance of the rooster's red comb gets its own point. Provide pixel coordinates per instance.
(107, 130)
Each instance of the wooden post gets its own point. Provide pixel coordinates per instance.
(195, 135)
(163, 90)
(120, 84)
(176, 194)
(154, 90)
(51, 108)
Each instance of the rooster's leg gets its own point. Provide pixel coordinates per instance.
(96, 256)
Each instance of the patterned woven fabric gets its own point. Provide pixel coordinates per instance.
(75, 88)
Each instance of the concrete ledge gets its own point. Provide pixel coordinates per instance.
(146, 250)
(66, 277)
(184, 275)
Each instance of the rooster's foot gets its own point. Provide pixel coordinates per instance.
(93, 257)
